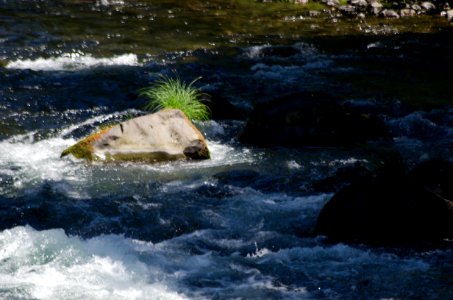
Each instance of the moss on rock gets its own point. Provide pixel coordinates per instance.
(84, 148)
(163, 136)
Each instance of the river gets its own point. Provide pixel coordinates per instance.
(237, 226)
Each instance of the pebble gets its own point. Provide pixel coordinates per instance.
(389, 13)
(359, 3)
(428, 6)
(332, 2)
(416, 7)
(348, 10)
(407, 12)
(449, 15)
(376, 7)
(314, 13)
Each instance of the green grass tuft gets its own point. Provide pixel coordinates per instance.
(173, 93)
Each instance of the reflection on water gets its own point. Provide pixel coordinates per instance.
(108, 28)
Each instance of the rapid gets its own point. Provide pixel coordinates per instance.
(237, 226)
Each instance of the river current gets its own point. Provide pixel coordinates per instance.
(237, 226)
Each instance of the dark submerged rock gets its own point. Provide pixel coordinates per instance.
(309, 119)
(436, 176)
(279, 51)
(344, 176)
(393, 208)
(222, 109)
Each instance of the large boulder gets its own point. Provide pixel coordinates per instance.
(395, 209)
(164, 135)
(309, 119)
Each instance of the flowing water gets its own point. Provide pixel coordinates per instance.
(237, 226)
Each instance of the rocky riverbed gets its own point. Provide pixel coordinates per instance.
(386, 9)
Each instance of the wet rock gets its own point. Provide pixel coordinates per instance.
(359, 3)
(392, 209)
(436, 176)
(309, 119)
(279, 51)
(375, 7)
(222, 109)
(416, 7)
(344, 176)
(407, 12)
(348, 10)
(389, 13)
(449, 15)
(428, 6)
(165, 135)
(398, 5)
(314, 13)
(331, 2)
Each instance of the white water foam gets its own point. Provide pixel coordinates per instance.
(51, 265)
(338, 271)
(30, 163)
(27, 164)
(73, 62)
(205, 263)
(305, 51)
(289, 74)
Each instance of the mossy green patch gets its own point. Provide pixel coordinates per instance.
(84, 149)
(79, 150)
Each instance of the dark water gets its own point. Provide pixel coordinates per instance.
(236, 226)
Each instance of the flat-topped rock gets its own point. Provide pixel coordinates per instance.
(162, 136)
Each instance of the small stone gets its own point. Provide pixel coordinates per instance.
(449, 15)
(314, 13)
(428, 6)
(407, 12)
(376, 7)
(389, 13)
(348, 10)
(332, 2)
(375, 3)
(303, 2)
(359, 3)
(416, 7)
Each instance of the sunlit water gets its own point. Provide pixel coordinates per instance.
(237, 226)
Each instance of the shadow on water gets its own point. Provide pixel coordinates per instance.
(409, 67)
(152, 219)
